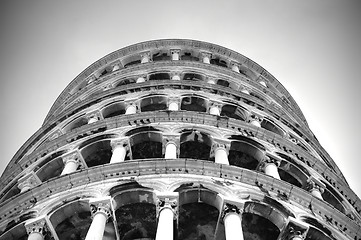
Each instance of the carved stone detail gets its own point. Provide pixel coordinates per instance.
(101, 205)
(219, 143)
(168, 200)
(28, 181)
(315, 184)
(171, 138)
(37, 225)
(295, 229)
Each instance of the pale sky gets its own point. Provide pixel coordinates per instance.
(312, 47)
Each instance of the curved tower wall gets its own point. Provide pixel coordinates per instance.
(175, 139)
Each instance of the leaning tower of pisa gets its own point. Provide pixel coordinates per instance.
(175, 139)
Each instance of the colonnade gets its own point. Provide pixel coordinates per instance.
(102, 211)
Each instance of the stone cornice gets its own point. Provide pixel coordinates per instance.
(283, 190)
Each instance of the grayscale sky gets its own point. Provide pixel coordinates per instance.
(312, 47)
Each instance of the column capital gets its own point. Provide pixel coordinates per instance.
(205, 54)
(295, 229)
(28, 181)
(230, 206)
(123, 142)
(168, 200)
(94, 115)
(234, 63)
(315, 184)
(271, 160)
(145, 57)
(216, 104)
(175, 99)
(73, 156)
(174, 50)
(37, 225)
(170, 138)
(219, 143)
(103, 205)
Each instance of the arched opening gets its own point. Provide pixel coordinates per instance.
(245, 152)
(17, 232)
(51, 169)
(192, 77)
(97, 153)
(160, 56)
(197, 220)
(271, 126)
(11, 191)
(154, 103)
(135, 213)
(247, 72)
(198, 212)
(195, 104)
(260, 221)
(295, 163)
(159, 76)
(292, 174)
(223, 83)
(331, 196)
(188, 56)
(194, 144)
(218, 62)
(81, 121)
(72, 220)
(125, 81)
(233, 111)
(317, 230)
(132, 60)
(146, 145)
(105, 71)
(113, 110)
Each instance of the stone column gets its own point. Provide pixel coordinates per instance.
(115, 68)
(130, 108)
(93, 117)
(220, 149)
(71, 162)
(211, 81)
(235, 66)
(171, 144)
(295, 230)
(232, 218)
(175, 54)
(215, 108)
(263, 83)
(255, 120)
(245, 91)
(119, 149)
(101, 210)
(173, 103)
(270, 167)
(167, 212)
(140, 79)
(206, 57)
(315, 187)
(36, 228)
(28, 181)
(175, 76)
(145, 57)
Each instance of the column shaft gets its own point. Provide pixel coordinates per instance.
(118, 155)
(35, 236)
(271, 170)
(173, 106)
(221, 156)
(70, 167)
(316, 193)
(214, 111)
(96, 229)
(165, 225)
(131, 109)
(233, 226)
(170, 151)
(92, 120)
(255, 123)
